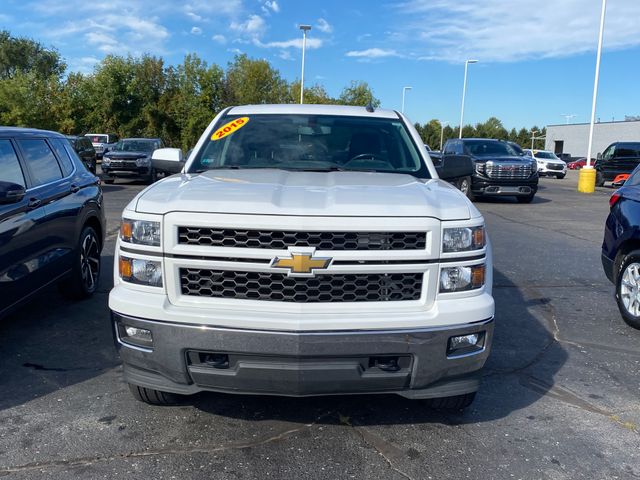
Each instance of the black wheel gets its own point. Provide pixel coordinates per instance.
(153, 397)
(628, 289)
(108, 181)
(527, 199)
(83, 281)
(561, 176)
(457, 403)
(599, 179)
(464, 185)
(153, 176)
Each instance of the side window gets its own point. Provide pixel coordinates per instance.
(608, 153)
(65, 161)
(626, 150)
(10, 170)
(41, 162)
(449, 148)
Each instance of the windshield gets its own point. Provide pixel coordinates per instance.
(98, 138)
(310, 142)
(548, 155)
(135, 146)
(494, 148)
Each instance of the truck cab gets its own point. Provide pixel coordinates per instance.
(304, 250)
(618, 158)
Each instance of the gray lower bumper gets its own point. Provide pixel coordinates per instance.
(303, 363)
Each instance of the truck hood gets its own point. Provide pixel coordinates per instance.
(280, 192)
(512, 159)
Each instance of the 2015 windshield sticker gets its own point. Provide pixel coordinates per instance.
(229, 128)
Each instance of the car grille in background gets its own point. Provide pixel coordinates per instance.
(508, 171)
(122, 164)
(370, 287)
(280, 240)
(552, 166)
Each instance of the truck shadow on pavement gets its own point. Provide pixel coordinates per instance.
(520, 370)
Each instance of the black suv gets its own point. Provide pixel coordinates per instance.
(131, 158)
(51, 218)
(86, 152)
(619, 157)
(500, 170)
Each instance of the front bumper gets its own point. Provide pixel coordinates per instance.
(544, 170)
(303, 363)
(125, 171)
(482, 185)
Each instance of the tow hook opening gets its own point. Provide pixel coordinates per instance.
(386, 364)
(216, 360)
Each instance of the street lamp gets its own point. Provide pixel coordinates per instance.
(305, 29)
(404, 90)
(442, 124)
(568, 116)
(464, 91)
(587, 175)
(534, 138)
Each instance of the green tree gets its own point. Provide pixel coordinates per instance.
(254, 82)
(313, 95)
(359, 94)
(23, 55)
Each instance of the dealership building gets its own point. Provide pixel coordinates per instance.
(574, 138)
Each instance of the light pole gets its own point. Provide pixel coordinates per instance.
(534, 138)
(568, 116)
(587, 175)
(404, 90)
(442, 124)
(305, 29)
(464, 92)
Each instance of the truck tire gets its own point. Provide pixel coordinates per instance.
(561, 176)
(457, 403)
(629, 262)
(464, 185)
(599, 179)
(85, 273)
(151, 396)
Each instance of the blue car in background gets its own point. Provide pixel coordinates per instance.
(621, 248)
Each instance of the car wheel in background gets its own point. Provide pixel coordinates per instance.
(153, 176)
(599, 179)
(464, 185)
(85, 273)
(561, 176)
(527, 199)
(628, 288)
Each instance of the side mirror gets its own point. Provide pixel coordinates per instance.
(10, 192)
(168, 160)
(455, 166)
(599, 156)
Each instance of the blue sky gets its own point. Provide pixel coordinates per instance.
(536, 59)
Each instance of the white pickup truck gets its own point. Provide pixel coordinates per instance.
(304, 250)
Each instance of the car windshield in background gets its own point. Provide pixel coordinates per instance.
(311, 143)
(98, 138)
(494, 148)
(134, 146)
(546, 155)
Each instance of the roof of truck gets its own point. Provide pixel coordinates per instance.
(312, 110)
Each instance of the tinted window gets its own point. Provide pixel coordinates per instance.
(488, 147)
(450, 148)
(98, 138)
(43, 165)
(135, 146)
(10, 170)
(65, 161)
(634, 178)
(628, 150)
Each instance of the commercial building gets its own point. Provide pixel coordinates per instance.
(574, 138)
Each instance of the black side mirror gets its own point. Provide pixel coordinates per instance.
(599, 156)
(10, 192)
(455, 166)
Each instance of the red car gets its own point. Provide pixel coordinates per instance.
(577, 164)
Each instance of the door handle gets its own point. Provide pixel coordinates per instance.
(34, 203)
(74, 188)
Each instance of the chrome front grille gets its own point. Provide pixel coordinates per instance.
(280, 240)
(508, 171)
(325, 288)
(554, 166)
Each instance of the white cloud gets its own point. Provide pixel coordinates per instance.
(221, 39)
(196, 31)
(194, 16)
(285, 55)
(235, 51)
(270, 6)
(495, 30)
(312, 43)
(372, 53)
(254, 25)
(324, 26)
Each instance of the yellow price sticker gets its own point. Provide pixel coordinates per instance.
(229, 128)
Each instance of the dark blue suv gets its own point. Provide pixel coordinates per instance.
(621, 248)
(52, 221)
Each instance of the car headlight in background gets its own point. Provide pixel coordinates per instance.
(143, 162)
(463, 239)
(140, 272)
(480, 168)
(461, 279)
(142, 232)
(106, 161)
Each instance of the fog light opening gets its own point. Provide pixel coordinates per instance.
(139, 337)
(468, 344)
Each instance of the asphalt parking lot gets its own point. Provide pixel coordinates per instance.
(560, 396)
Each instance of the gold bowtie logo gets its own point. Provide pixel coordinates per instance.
(301, 263)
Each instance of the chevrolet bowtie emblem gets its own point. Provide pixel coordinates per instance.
(301, 264)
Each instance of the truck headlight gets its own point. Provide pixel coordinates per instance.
(480, 168)
(142, 232)
(462, 239)
(141, 272)
(461, 279)
(143, 162)
(106, 161)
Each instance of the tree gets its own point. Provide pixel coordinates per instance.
(314, 95)
(23, 55)
(29, 100)
(359, 94)
(254, 82)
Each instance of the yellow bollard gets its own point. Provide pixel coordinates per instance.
(587, 180)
